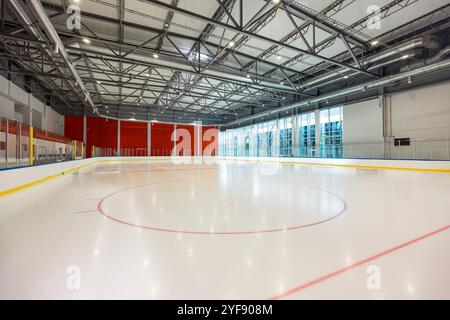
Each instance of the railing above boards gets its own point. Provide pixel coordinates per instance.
(414, 149)
(23, 145)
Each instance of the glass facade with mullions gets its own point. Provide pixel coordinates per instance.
(306, 124)
(285, 137)
(331, 133)
(318, 134)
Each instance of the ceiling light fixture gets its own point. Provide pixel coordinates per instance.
(155, 55)
(231, 44)
(86, 40)
(374, 43)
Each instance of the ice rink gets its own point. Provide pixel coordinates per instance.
(227, 230)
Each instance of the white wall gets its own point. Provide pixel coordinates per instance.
(55, 121)
(10, 94)
(363, 122)
(422, 113)
(6, 107)
(18, 94)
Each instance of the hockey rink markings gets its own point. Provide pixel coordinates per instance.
(355, 265)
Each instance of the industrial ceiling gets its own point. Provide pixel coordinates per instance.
(217, 61)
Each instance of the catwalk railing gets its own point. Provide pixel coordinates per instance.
(414, 149)
(16, 139)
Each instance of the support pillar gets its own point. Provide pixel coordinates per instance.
(6, 142)
(317, 132)
(84, 135)
(174, 151)
(295, 137)
(198, 139)
(31, 146)
(149, 139)
(118, 138)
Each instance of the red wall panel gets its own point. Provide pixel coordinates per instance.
(182, 148)
(102, 133)
(73, 127)
(210, 141)
(133, 138)
(162, 144)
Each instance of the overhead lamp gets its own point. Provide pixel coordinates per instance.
(231, 44)
(409, 80)
(147, 74)
(155, 55)
(406, 56)
(86, 40)
(275, 1)
(282, 83)
(278, 57)
(374, 43)
(248, 76)
(345, 77)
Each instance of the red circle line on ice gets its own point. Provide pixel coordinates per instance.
(297, 227)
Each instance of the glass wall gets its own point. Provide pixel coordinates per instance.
(48, 147)
(306, 124)
(251, 141)
(285, 137)
(318, 134)
(331, 133)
